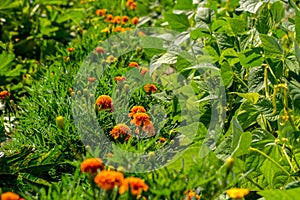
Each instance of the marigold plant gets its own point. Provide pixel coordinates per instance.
(136, 109)
(4, 94)
(141, 119)
(120, 129)
(136, 185)
(10, 196)
(91, 165)
(101, 12)
(104, 102)
(237, 193)
(150, 88)
(133, 64)
(107, 180)
(135, 20)
(99, 50)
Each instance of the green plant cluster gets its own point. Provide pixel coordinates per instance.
(253, 49)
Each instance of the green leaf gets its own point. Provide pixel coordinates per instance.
(184, 5)
(251, 57)
(226, 74)
(237, 25)
(230, 55)
(280, 194)
(251, 6)
(237, 131)
(271, 45)
(204, 15)
(243, 145)
(277, 11)
(264, 20)
(178, 22)
(252, 97)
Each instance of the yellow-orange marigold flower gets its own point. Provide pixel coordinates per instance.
(111, 59)
(192, 194)
(10, 196)
(162, 139)
(120, 129)
(101, 12)
(149, 129)
(4, 94)
(133, 64)
(129, 2)
(117, 19)
(136, 185)
(91, 79)
(99, 50)
(237, 193)
(150, 88)
(141, 119)
(119, 29)
(71, 49)
(104, 102)
(109, 17)
(120, 78)
(135, 20)
(136, 109)
(91, 165)
(133, 6)
(143, 71)
(107, 180)
(125, 19)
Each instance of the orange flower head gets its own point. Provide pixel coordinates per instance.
(120, 129)
(120, 78)
(10, 196)
(133, 6)
(71, 49)
(125, 19)
(91, 165)
(101, 12)
(192, 194)
(136, 109)
(133, 64)
(237, 193)
(143, 71)
(149, 129)
(129, 3)
(111, 59)
(99, 50)
(109, 17)
(107, 180)
(135, 20)
(91, 79)
(117, 19)
(141, 119)
(136, 185)
(104, 102)
(162, 139)
(4, 94)
(150, 88)
(119, 29)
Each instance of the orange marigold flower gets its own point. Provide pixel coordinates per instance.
(101, 12)
(119, 29)
(104, 102)
(10, 196)
(143, 71)
(133, 6)
(99, 50)
(109, 17)
(192, 194)
(120, 129)
(117, 19)
(129, 2)
(135, 20)
(237, 193)
(120, 78)
(4, 94)
(150, 88)
(107, 180)
(162, 139)
(91, 79)
(133, 64)
(71, 49)
(91, 165)
(136, 185)
(136, 109)
(125, 19)
(149, 129)
(141, 119)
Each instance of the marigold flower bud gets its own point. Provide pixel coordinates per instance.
(60, 122)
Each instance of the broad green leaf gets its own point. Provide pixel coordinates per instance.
(243, 145)
(184, 5)
(238, 25)
(277, 11)
(178, 22)
(252, 97)
(297, 51)
(251, 6)
(251, 57)
(281, 194)
(204, 15)
(271, 46)
(237, 131)
(226, 74)
(264, 20)
(230, 55)
(255, 79)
